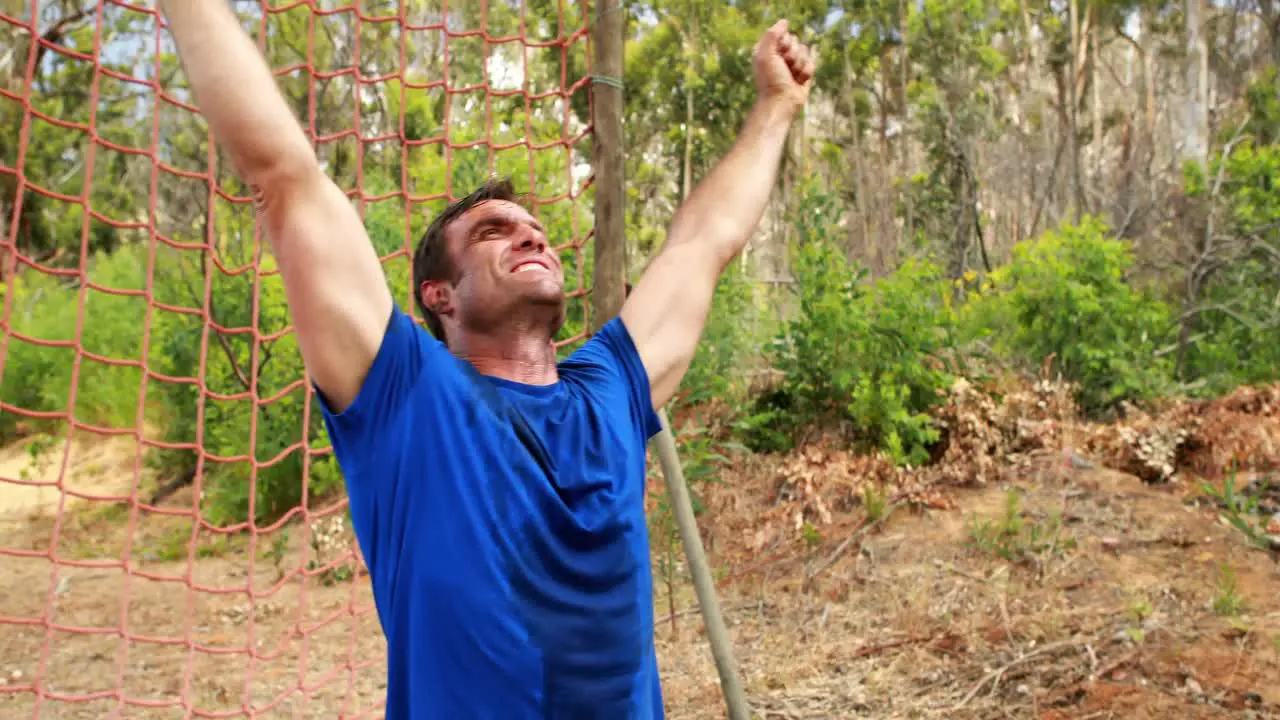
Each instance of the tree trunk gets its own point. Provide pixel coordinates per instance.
(1077, 202)
(1096, 106)
(1145, 37)
(904, 141)
(1195, 110)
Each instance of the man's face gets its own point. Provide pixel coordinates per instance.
(503, 264)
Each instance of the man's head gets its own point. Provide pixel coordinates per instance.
(484, 262)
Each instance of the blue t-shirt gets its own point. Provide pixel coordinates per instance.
(503, 525)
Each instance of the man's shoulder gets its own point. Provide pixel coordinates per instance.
(611, 346)
(608, 366)
(408, 355)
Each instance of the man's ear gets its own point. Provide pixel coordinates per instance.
(436, 296)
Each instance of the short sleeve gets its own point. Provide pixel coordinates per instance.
(406, 348)
(613, 350)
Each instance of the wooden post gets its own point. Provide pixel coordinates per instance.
(609, 290)
(609, 270)
(703, 584)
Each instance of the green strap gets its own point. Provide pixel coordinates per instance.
(606, 80)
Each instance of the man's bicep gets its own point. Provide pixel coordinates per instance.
(667, 311)
(337, 291)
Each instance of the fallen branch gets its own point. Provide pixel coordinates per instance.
(1000, 671)
(1114, 665)
(1095, 674)
(870, 650)
(862, 529)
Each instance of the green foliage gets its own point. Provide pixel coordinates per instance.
(1263, 100)
(1065, 296)
(1227, 602)
(730, 347)
(1236, 322)
(1240, 509)
(861, 356)
(1237, 339)
(50, 375)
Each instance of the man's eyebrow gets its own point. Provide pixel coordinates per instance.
(503, 220)
(486, 223)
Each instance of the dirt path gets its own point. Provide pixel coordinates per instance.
(1099, 597)
(96, 467)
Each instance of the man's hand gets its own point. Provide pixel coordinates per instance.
(668, 310)
(782, 66)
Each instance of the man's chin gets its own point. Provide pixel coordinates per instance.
(545, 293)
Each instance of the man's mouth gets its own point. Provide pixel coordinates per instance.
(530, 266)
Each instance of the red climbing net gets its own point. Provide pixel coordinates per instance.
(172, 535)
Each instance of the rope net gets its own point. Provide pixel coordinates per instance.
(173, 530)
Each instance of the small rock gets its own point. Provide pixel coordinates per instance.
(1194, 687)
(1075, 460)
(1111, 545)
(16, 674)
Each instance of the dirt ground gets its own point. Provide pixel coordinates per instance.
(1047, 592)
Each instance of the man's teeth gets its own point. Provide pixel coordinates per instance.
(528, 266)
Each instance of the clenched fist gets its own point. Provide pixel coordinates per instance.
(783, 66)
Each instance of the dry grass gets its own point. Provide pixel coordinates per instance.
(1121, 611)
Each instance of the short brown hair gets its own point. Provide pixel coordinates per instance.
(431, 259)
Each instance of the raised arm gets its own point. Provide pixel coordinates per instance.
(337, 292)
(666, 312)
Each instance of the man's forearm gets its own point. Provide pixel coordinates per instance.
(235, 89)
(725, 208)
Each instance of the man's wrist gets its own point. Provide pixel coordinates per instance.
(777, 110)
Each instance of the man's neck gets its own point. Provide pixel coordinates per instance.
(527, 358)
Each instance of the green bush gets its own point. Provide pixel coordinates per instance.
(863, 357)
(1234, 334)
(239, 430)
(41, 378)
(1065, 296)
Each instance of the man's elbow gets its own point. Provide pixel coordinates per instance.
(705, 251)
(716, 242)
(275, 170)
(286, 180)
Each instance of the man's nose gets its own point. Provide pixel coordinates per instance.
(530, 239)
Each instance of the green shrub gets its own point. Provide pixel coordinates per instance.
(1065, 296)
(41, 378)
(238, 430)
(865, 357)
(1235, 338)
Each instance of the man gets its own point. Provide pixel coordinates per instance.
(497, 495)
